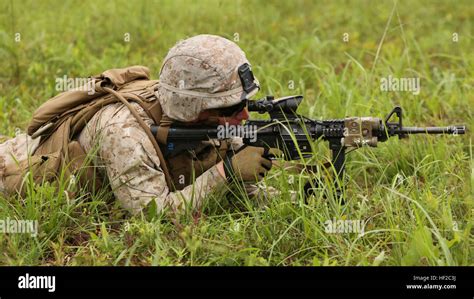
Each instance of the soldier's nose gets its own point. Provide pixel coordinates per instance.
(243, 115)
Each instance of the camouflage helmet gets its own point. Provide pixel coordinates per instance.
(203, 72)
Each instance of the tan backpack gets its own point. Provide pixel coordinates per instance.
(59, 121)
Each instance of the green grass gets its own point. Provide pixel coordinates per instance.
(411, 193)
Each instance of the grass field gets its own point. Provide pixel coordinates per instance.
(414, 195)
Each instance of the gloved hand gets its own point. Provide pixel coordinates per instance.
(248, 164)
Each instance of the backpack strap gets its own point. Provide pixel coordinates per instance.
(153, 109)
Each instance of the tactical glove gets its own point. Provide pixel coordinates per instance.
(249, 164)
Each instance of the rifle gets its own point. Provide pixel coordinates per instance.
(293, 133)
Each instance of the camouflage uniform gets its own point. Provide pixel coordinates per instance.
(15, 150)
(198, 73)
(127, 157)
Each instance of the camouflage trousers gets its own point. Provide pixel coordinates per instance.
(14, 151)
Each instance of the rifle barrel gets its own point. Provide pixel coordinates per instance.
(432, 130)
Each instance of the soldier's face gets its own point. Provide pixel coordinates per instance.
(235, 119)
